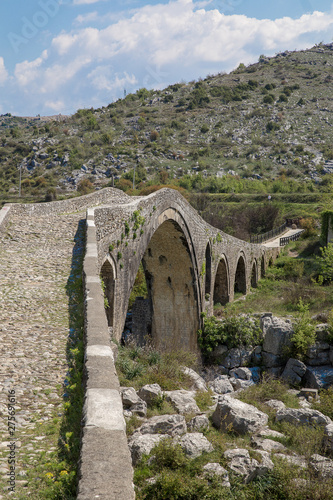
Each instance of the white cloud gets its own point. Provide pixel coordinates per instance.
(104, 78)
(56, 106)
(86, 18)
(26, 72)
(157, 45)
(3, 72)
(85, 2)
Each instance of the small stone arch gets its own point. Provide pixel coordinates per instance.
(262, 267)
(208, 276)
(221, 285)
(240, 276)
(270, 262)
(254, 275)
(108, 276)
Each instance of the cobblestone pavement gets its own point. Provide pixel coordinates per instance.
(35, 265)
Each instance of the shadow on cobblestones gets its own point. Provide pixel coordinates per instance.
(70, 432)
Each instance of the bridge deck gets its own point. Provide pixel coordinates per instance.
(274, 243)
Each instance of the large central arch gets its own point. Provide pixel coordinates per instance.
(172, 292)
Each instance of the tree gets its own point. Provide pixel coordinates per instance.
(325, 261)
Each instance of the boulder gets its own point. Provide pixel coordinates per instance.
(132, 402)
(214, 469)
(242, 464)
(194, 444)
(328, 439)
(218, 353)
(277, 333)
(242, 373)
(256, 355)
(318, 354)
(321, 466)
(164, 424)
(198, 423)
(183, 401)
(221, 385)
(302, 416)
(294, 371)
(275, 404)
(150, 392)
(266, 432)
(237, 356)
(198, 383)
(239, 384)
(273, 361)
(236, 416)
(319, 377)
(266, 444)
(140, 445)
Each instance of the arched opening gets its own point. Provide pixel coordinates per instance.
(171, 286)
(221, 287)
(138, 316)
(208, 277)
(270, 263)
(262, 267)
(240, 277)
(108, 283)
(254, 277)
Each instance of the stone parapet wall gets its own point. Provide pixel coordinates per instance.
(105, 468)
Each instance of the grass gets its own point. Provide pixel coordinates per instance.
(138, 366)
(168, 474)
(291, 278)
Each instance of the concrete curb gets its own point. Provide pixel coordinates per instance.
(105, 464)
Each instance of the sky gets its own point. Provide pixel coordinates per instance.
(57, 56)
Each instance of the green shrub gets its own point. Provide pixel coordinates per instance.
(232, 331)
(325, 403)
(304, 332)
(269, 99)
(272, 127)
(325, 262)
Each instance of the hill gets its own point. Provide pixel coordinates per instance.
(266, 122)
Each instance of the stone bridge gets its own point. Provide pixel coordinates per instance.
(189, 265)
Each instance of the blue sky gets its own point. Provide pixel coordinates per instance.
(60, 55)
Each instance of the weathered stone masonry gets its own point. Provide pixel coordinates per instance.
(189, 266)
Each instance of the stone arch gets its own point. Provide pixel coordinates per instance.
(108, 275)
(262, 273)
(172, 288)
(271, 262)
(254, 275)
(208, 275)
(240, 276)
(221, 285)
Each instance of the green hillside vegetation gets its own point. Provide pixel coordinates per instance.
(262, 128)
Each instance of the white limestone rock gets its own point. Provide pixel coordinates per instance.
(302, 416)
(194, 444)
(183, 401)
(164, 424)
(235, 416)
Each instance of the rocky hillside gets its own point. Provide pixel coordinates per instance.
(270, 119)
